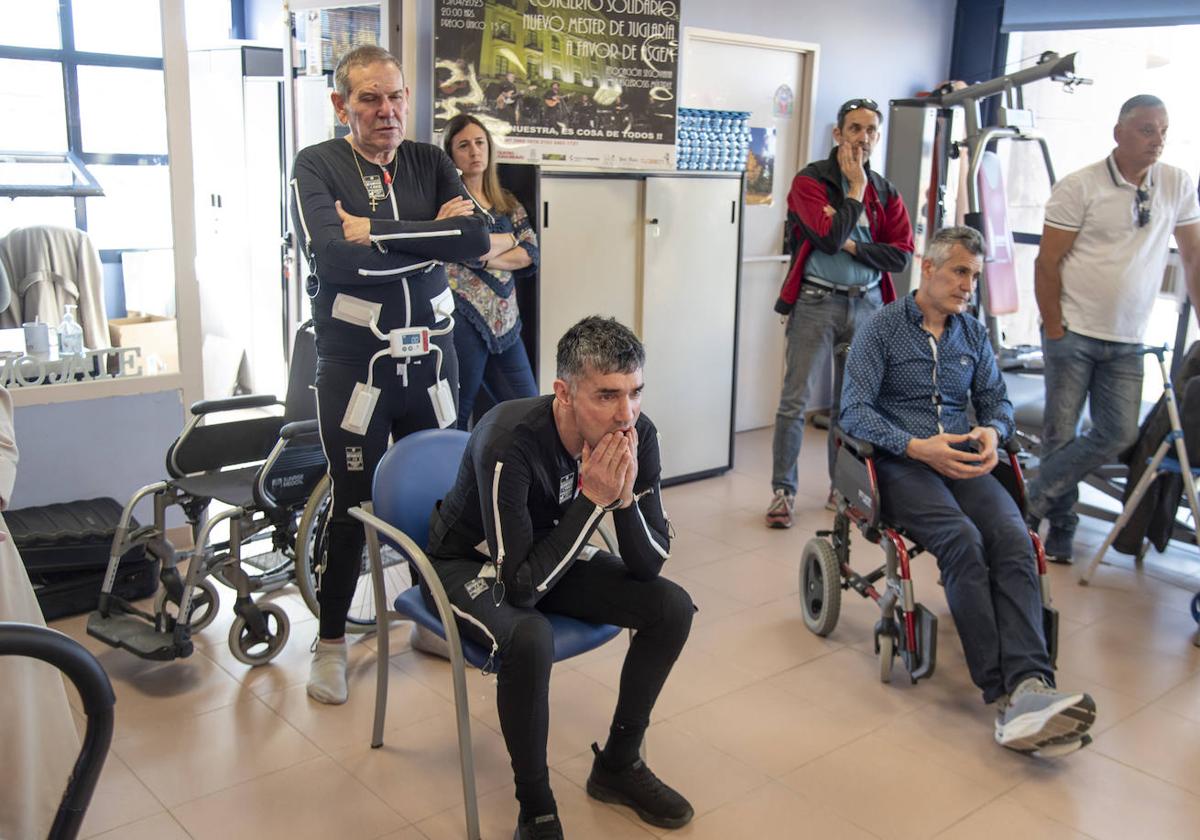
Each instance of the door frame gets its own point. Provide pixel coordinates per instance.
(809, 54)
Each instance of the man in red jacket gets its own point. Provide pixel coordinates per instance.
(851, 231)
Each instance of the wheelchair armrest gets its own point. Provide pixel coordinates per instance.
(298, 429)
(232, 403)
(859, 447)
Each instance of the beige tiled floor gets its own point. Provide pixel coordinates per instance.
(772, 732)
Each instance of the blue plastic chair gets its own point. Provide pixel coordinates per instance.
(414, 474)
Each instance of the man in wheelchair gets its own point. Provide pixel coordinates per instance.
(913, 373)
(511, 540)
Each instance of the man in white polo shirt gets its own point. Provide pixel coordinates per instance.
(1103, 253)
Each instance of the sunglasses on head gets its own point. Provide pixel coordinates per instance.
(855, 104)
(1143, 207)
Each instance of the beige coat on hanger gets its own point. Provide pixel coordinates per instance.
(49, 267)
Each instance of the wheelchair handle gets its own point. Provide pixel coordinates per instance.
(89, 679)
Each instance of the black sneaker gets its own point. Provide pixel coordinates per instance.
(545, 827)
(638, 788)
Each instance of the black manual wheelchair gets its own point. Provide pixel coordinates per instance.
(262, 469)
(905, 627)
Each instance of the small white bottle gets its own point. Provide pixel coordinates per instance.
(70, 334)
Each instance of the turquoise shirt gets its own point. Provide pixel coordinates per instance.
(841, 269)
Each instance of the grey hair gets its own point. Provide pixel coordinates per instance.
(1142, 100)
(362, 56)
(943, 242)
(601, 345)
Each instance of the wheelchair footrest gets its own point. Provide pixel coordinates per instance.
(922, 662)
(137, 636)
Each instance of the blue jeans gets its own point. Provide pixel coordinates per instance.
(976, 532)
(488, 377)
(1109, 375)
(820, 321)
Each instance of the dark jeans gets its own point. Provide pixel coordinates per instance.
(599, 590)
(496, 377)
(1107, 374)
(820, 321)
(988, 567)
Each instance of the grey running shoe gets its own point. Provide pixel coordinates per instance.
(1044, 721)
(779, 513)
(1060, 539)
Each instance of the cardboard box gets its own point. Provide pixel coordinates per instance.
(155, 334)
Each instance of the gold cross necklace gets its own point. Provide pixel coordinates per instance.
(388, 177)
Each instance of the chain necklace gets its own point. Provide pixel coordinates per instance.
(388, 177)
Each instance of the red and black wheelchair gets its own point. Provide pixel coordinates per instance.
(905, 628)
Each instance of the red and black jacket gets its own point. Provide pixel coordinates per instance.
(819, 185)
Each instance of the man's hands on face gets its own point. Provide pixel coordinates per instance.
(939, 452)
(631, 441)
(604, 470)
(455, 207)
(853, 166)
(356, 229)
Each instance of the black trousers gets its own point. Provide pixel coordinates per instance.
(404, 407)
(599, 590)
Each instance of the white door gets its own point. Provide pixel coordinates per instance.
(723, 71)
(688, 296)
(590, 243)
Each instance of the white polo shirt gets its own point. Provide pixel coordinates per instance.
(1114, 269)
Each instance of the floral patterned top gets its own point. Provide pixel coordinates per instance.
(486, 297)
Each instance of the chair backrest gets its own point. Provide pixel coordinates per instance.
(414, 475)
(301, 401)
(95, 691)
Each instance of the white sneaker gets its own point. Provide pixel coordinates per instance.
(327, 676)
(1042, 720)
(428, 642)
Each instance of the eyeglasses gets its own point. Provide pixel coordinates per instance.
(1143, 207)
(855, 104)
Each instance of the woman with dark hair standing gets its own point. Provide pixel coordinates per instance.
(490, 353)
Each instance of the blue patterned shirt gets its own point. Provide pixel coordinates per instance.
(900, 384)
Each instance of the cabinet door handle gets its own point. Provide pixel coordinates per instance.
(732, 212)
(545, 214)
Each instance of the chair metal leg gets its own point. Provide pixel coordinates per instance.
(382, 616)
(1135, 498)
(466, 756)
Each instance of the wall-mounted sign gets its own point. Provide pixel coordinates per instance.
(579, 82)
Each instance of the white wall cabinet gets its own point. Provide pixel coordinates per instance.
(660, 253)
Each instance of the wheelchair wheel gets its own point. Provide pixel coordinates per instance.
(820, 586)
(205, 602)
(887, 655)
(259, 651)
(310, 533)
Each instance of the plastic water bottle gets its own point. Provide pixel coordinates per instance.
(70, 334)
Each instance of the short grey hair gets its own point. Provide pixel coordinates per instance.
(363, 56)
(942, 243)
(601, 345)
(1142, 100)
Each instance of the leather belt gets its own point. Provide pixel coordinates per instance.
(847, 291)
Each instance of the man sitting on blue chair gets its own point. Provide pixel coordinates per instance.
(912, 373)
(511, 540)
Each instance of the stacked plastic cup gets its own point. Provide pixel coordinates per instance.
(712, 140)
